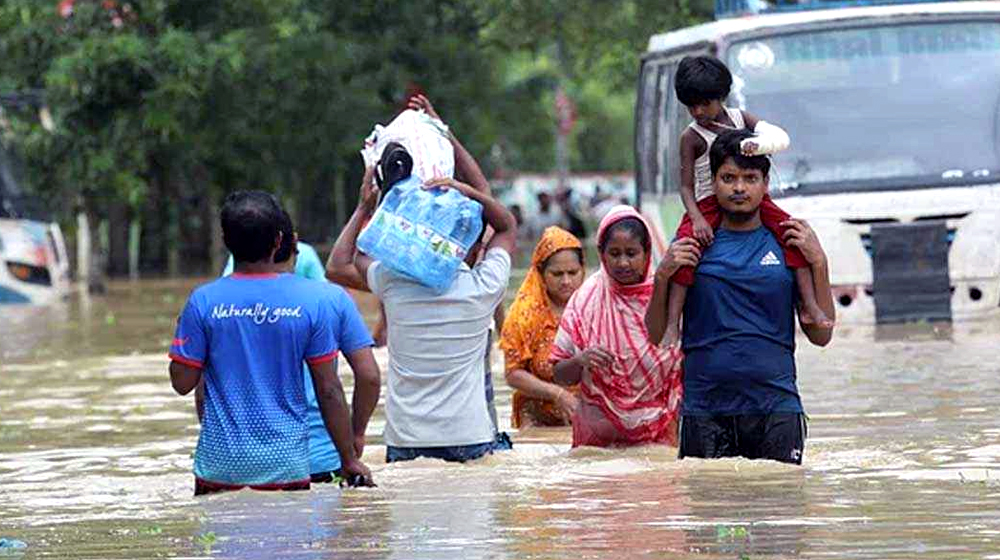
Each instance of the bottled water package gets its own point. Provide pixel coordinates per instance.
(423, 234)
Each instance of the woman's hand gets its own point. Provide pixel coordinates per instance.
(595, 357)
(683, 252)
(566, 404)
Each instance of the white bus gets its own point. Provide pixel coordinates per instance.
(894, 115)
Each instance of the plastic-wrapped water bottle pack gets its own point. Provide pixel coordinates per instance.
(423, 234)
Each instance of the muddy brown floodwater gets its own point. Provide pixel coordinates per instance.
(903, 461)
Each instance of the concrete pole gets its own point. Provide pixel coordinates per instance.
(83, 250)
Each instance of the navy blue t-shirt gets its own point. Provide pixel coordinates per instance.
(739, 329)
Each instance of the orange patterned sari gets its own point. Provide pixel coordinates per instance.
(529, 330)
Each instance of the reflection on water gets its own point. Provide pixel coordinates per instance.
(95, 462)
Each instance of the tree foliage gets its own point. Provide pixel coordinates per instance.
(162, 106)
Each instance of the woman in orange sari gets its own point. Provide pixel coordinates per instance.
(556, 273)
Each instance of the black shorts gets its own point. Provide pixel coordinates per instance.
(778, 437)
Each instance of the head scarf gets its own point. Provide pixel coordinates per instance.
(530, 326)
(637, 400)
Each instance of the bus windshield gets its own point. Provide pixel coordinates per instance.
(876, 108)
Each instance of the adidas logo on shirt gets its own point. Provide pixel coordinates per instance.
(770, 259)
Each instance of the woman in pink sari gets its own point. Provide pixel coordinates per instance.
(630, 389)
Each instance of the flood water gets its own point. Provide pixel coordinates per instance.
(903, 461)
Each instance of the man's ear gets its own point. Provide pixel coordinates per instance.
(277, 245)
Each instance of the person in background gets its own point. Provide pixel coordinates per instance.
(353, 341)
(630, 388)
(249, 333)
(574, 223)
(515, 209)
(598, 197)
(547, 215)
(557, 270)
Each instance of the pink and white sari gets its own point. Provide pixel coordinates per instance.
(637, 401)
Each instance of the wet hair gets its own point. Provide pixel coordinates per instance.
(633, 226)
(727, 145)
(251, 221)
(395, 165)
(287, 247)
(701, 79)
(576, 250)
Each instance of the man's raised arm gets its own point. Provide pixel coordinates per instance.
(466, 167)
(341, 267)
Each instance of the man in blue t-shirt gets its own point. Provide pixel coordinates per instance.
(352, 340)
(740, 393)
(249, 333)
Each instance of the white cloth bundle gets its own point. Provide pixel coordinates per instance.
(423, 136)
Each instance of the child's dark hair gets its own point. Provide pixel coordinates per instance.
(727, 145)
(251, 221)
(632, 226)
(701, 79)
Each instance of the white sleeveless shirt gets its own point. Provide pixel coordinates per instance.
(703, 187)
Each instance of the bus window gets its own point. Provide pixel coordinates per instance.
(667, 142)
(877, 108)
(646, 131)
(675, 120)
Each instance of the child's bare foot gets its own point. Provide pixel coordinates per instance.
(813, 315)
(672, 337)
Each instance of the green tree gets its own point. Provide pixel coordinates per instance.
(164, 106)
(593, 48)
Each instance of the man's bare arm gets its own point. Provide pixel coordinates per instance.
(343, 265)
(333, 408)
(367, 386)
(184, 378)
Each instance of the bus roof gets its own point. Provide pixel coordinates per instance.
(710, 32)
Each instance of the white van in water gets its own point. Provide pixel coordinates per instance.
(33, 264)
(894, 116)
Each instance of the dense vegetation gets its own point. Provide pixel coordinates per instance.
(160, 107)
